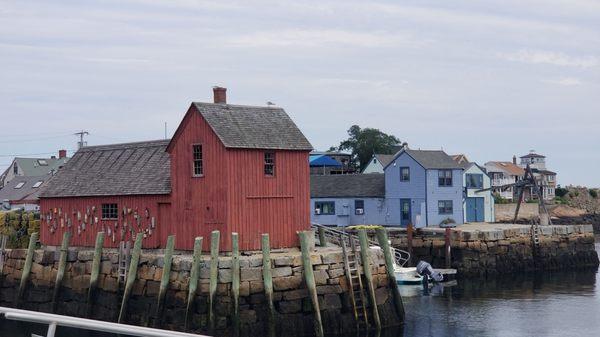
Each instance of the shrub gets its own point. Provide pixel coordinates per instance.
(561, 192)
(593, 193)
(500, 200)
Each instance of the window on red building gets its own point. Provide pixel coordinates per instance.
(270, 164)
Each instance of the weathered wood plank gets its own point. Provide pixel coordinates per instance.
(214, 273)
(26, 269)
(194, 274)
(131, 276)
(95, 272)
(384, 243)
(164, 280)
(268, 282)
(62, 263)
(309, 277)
(235, 283)
(366, 264)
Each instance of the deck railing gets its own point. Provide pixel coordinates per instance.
(53, 321)
(334, 235)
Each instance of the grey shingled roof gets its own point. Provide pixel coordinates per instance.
(31, 166)
(253, 127)
(433, 159)
(118, 169)
(384, 159)
(348, 186)
(27, 191)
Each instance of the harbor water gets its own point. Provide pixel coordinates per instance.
(565, 303)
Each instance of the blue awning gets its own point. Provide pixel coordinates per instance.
(323, 160)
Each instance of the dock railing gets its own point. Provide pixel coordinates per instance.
(334, 236)
(54, 321)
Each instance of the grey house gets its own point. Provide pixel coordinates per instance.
(346, 200)
(423, 188)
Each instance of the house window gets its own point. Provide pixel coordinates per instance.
(15, 169)
(197, 153)
(270, 164)
(474, 180)
(405, 174)
(37, 184)
(359, 207)
(405, 210)
(110, 211)
(324, 207)
(445, 177)
(445, 207)
(19, 185)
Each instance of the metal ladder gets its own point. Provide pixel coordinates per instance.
(353, 275)
(124, 259)
(3, 240)
(535, 234)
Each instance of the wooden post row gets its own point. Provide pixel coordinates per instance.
(309, 277)
(366, 264)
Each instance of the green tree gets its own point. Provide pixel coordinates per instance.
(363, 143)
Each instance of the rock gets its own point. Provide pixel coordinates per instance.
(289, 307)
(256, 287)
(244, 288)
(281, 272)
(152, 288)
(250, 274)
(329, 289)
(85, 255)
(330, 301)
(332, 257)
(295, 294)
(286, 283)
(225, 275)
(321, 277)
(334, 273)
(280, 261)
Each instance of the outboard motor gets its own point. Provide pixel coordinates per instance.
(426, 270)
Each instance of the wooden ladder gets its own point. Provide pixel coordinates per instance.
(353, 275)
(124, 259)
(535, 233)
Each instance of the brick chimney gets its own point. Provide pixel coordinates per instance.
(514, 159)
(62, 154)
(220, 95)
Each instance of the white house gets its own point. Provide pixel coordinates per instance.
(504, 173)
(377, 163)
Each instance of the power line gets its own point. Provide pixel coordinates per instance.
(32, 140)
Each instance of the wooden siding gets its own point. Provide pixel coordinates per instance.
(278, 205)
(198, 204)
(63, 209)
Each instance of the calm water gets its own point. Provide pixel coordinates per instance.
(545, 304)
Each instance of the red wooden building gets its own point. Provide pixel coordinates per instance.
(229, 167)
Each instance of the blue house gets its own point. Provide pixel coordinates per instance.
(346, 200)
(424, 188)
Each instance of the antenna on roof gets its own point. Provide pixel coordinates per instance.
(81, 142)
(269, 103)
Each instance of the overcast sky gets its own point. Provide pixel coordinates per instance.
(486, 79)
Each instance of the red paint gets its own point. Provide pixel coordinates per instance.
(67, 208)
(233, 195)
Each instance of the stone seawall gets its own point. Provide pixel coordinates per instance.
(497, 248)
(294, 313)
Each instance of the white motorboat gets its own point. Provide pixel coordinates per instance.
(408, 275)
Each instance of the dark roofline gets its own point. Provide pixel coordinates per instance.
(103, 147)
(458, 167)
(533, 155)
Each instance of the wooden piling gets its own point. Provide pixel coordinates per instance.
(62, 263)
(95, 272)
(214, 273)
(194, 274)
(26, 268)
(409, 244)
(131, 275)
(164, 280)
(448, 257)
(384, 243)
(366, 265)
(235, 282)
(322, 240)
(268, 282)
(309, 278)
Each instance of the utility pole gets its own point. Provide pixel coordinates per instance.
(81, 142)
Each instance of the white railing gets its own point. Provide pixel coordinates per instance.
(501, 182)
(53, 321)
